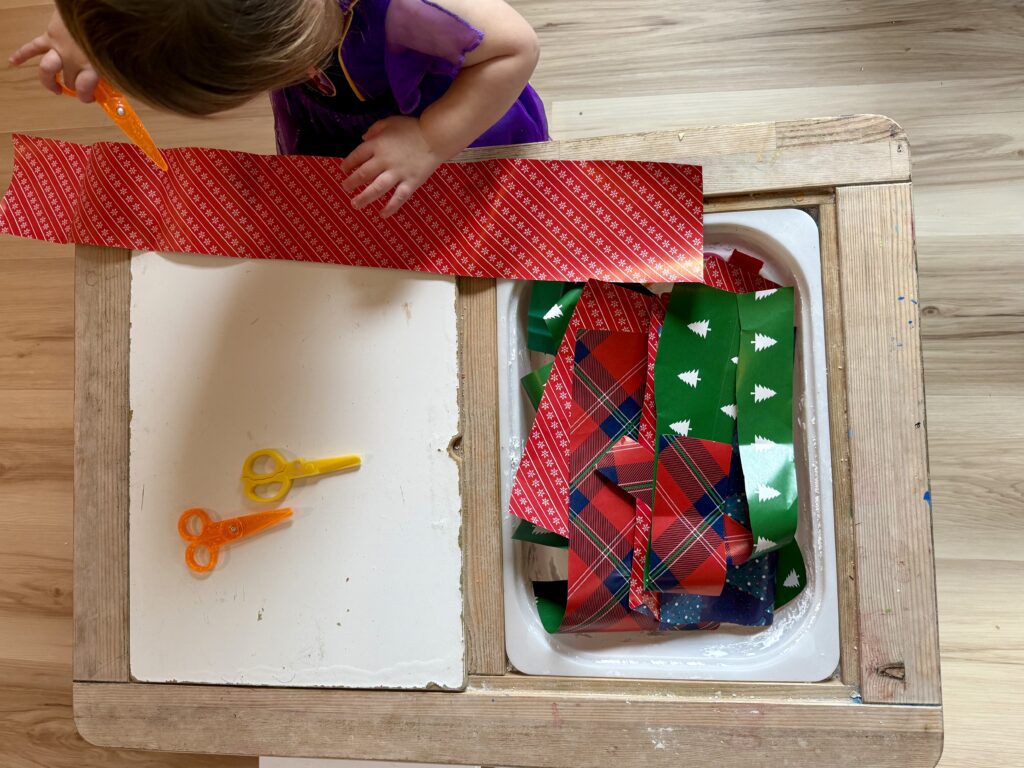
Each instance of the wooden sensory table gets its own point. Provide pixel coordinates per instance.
(883, 707)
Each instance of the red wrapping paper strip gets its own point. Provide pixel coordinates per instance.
(609, 380)
(647, 436)
(740, 273)
(520, 219)
(540, 492)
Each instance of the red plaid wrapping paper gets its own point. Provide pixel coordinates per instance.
(688, 541)
(540, 492)
(639, 597)
(519, 219)
(608, 391)
(630, 465)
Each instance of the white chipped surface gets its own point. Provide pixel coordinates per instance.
(803, 643)
(363, 587)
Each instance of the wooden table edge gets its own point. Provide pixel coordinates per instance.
(497, 724)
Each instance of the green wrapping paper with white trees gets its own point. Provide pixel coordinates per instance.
(764, 399)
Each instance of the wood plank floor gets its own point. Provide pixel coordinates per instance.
(951, 73)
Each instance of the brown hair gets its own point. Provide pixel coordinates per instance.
(197, 57)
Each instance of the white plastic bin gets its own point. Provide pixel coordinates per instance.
(803, 643)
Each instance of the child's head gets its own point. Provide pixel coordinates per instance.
(197, 57)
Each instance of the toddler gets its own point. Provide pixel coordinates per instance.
(396, 87)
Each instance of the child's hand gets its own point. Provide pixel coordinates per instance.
(59, 52)
(395, 154)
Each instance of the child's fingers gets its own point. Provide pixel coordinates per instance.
(357, 157)
(49, 66)
(29, 50)
(375, 191)
(363, 175)
(85, 85)
(375, 129)
(401, 196)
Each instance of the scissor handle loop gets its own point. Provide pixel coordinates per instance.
(278, 463)
(187, 517)
(193, 562)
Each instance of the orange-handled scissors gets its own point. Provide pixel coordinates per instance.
(274, 480)
(120, 111)
(205, 537)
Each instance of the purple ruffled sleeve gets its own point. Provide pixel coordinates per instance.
(424, 40)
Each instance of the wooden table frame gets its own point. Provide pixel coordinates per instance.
(882, 708)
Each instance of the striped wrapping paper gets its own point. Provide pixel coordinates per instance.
(520, 219)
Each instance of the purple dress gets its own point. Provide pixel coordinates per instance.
(397, 58)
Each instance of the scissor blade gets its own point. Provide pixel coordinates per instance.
(124, 116)
(337, 464)
(260, 521)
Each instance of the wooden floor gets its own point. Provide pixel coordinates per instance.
(952, 73)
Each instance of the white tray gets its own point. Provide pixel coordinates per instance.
(803, 643)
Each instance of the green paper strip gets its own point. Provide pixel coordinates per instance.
(764, 391)
(694, 372)
(560, 313)
(551, 597)
(534, 383)
(527, 531)
(543, 295)
(790, 574)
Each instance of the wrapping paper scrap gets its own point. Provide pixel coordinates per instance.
(790, 574)
(764, 391)
(608, 384)
(534, 383)
(543, 295)
(527, 531)
(521, 219)
(695, 376)
(747, 599)
(640, 597)
(551, 306)
(540, 492)
(740, 273)
(691, 489)
(749, 587)
(630, 465)
(695, 566)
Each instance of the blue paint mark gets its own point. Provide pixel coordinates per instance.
(849, 434)
(928, 499)
(902, 298)
(913, 301)
(856, 698)
(910, 322)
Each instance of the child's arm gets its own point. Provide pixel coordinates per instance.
(59, 53)
(400, 153)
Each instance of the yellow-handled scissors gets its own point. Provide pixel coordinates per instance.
(274, 480)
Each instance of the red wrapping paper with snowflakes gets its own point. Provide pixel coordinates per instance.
(519, 219)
